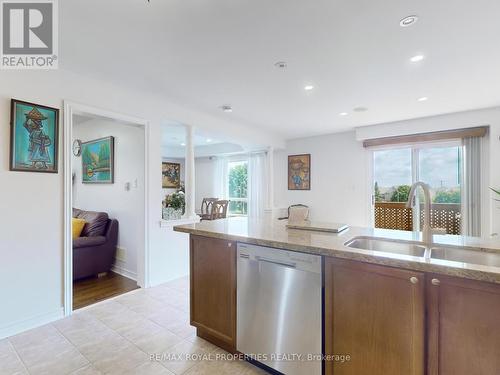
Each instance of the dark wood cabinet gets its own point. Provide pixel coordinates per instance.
(463, 326)
(213, 290)
(376, 316)
(388, 321)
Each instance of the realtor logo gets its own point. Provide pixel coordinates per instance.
(29, 37)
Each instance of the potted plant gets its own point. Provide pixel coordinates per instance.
(174, 206)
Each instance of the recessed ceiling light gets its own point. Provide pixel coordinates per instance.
(417, 58)
(209, 140)
(183, 144)
(343, 114)
(360, 109)
(408, 21)
(308, 87)
(423, 99)
(226, 108)
(281, 64)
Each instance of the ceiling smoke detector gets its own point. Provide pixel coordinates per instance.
(226, 108)
(281, 64)
(408, 21)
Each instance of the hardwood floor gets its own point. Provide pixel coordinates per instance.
(93, 289)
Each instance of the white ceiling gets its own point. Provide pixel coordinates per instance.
(174, 135)
(173, 139)
(204, 54)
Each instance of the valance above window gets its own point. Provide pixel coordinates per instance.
(479, 131)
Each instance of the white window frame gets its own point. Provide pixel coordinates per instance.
(238, 159)
(415, 149)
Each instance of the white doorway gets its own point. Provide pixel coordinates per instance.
(76, 117)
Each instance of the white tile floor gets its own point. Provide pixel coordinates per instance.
(120, 336)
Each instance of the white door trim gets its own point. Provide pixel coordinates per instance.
(71, 108)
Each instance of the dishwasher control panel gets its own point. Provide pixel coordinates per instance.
(300, 261)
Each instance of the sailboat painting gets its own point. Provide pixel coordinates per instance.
(98, 161)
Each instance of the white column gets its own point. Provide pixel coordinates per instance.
(270, 178)
(189, 175)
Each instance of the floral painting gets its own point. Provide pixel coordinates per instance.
(299, 172)
(171, 175)
(33, 137)
(98, 161)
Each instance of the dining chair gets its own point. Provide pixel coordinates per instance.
(219, 209)
(297, 212)
(207, 207)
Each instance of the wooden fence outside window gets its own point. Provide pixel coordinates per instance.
(395, 215)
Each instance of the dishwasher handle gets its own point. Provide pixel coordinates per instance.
(276, 262)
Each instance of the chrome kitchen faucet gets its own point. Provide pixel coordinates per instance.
(426, 230)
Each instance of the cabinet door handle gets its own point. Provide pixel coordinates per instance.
(413, 280)
(435, 282)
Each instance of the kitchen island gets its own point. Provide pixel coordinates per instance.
(388, 312)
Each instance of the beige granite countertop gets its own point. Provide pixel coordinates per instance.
(274, 233)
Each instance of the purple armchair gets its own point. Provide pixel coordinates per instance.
(94, 252)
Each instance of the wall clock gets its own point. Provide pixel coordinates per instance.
(77, 147)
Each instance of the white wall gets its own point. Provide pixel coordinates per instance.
(127, 206)
(340, 186)
(31, 234)
(339, 189)
(204, 179)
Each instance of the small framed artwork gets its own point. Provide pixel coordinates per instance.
(171, 175)
(34, 137)
(98, 161)
(299, 172)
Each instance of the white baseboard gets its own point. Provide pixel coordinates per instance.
(124, 272)
(22, 325)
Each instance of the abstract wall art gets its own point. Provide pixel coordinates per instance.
(299, 172)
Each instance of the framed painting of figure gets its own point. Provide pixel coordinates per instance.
(98, 166)
(299, 172)
(171, 173)
(34, 137)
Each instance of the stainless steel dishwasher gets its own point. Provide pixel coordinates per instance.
(279, 305)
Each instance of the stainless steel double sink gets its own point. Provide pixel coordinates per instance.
(435, 251)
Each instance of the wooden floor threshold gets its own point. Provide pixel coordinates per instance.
(96, 289)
